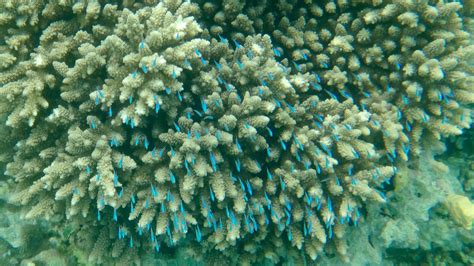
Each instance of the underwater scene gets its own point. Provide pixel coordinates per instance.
(236, 132)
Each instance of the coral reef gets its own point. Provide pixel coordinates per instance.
(237, 131)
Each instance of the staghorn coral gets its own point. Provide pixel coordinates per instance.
(146, 130)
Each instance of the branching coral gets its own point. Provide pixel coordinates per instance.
(146, 130)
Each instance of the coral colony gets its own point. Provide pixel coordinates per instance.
(227, 128)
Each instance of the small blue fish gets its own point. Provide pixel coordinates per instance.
(93, 125)
(331, 94)
(144, 69)
(249, 187)
(283, 145)
(242, 186)
(115, 214)
(142, 45)
(157, 107)
(146, 143)
(346, 94)
(240, 64)
(213, 161)
(237, 164)
(198, 53)
(237, 44)
(186, 63)
(176, 127)
(115, 179)
(172, 177)
(134, 74)
(110, 111)
(270, 132)
(218, 66)
(269, 174)
(282, 184)
(329, 204)
(305, 57)
(276, 52)
(223, 40)
(203, 61)
(173, 75)
(198, 234)
(203, 105)
(211, 193)
(298, 68)
(168, 90)
(88, 169)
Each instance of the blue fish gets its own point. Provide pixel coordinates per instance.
(242, 186)
(154, 192)
(269, 174)
(240, 64)
(198, 234)
(269, 203)
(405, 99)
(142, 45)
(115, 179)
(203, 105)
(98, 215)
(144, 69)
(176, 127)
(249, 187)
(172, 177)
(237, 44)
(331, 94)
(218, 66)
(198, 53)
(93, 125)
(186, 63)
(223, 40)
(237, 164)
(329, 204)
(298, 68)
(270, 132)
(276, 52)
(305, 57)
(134, 74)
(168, 90)
(213, 161)
(203, 61)
(115, 214)
(157, 105)
(110, 111)
(146, 143)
